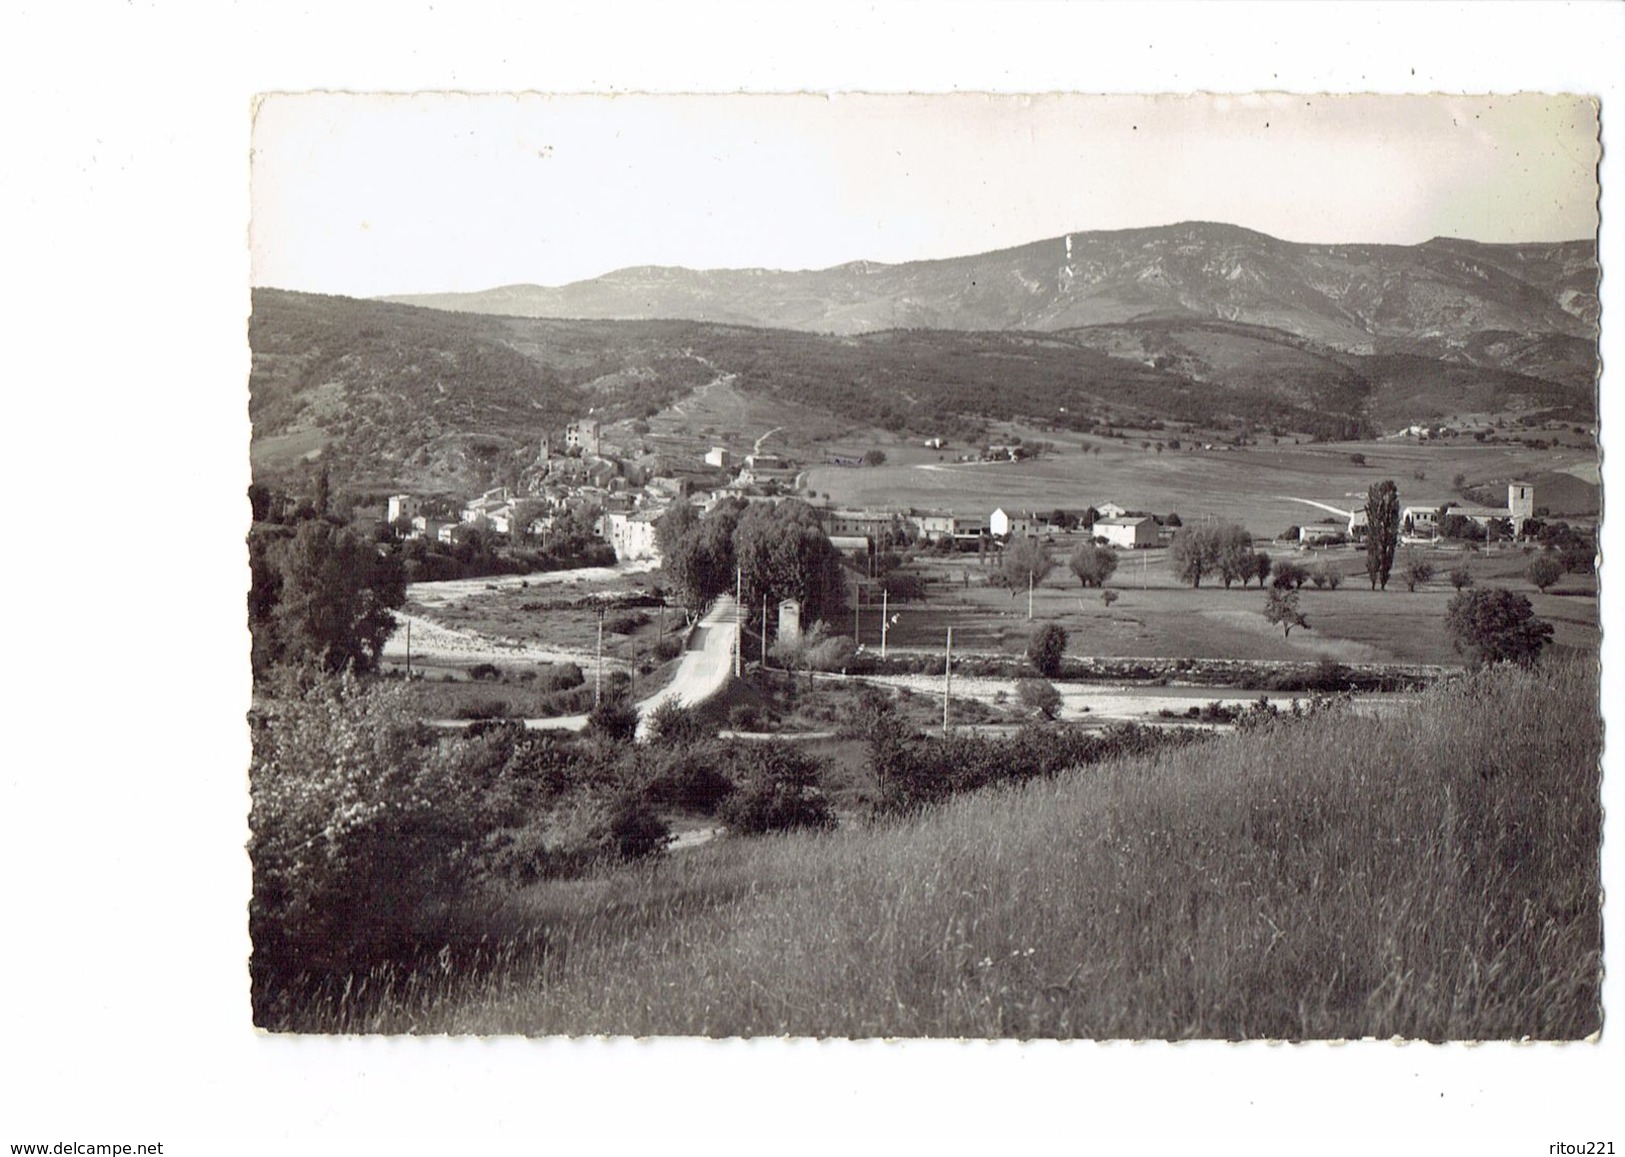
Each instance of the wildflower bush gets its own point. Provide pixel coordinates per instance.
(363, 828)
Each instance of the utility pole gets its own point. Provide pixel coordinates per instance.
(947, 679)
(408, 650)
(739, 622)
(885, 621)
(1029, 595)
(598, 675)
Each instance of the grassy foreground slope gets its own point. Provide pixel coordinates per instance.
(1430, 875)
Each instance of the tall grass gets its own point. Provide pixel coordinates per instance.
(1433, 874)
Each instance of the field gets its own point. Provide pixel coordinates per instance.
(1156, 616)
(1253, 486)
(1433, 874)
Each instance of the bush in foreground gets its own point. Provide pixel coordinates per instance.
(1432, 875)
(361, 825)
(778, 791)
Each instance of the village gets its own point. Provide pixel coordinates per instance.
(622, 496)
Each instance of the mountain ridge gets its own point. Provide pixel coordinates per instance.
(1432, 298)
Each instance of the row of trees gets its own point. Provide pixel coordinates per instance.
(1223, 551)
(773, 550)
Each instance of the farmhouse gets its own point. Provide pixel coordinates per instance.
(1423, 521)
(719, 456)
(1320, 532)
(1002, 524)
(1128, 532)
(1111, 510)
(938, 526)
(402, 506)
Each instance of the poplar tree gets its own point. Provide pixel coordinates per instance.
(1382, 531)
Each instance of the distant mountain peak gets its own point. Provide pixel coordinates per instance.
(1438, 295)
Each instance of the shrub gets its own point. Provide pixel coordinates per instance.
(668, 648)
(362, 826)
(778, 791)
(692, 778)
(1496, 626)
(674, 724)
(871, 706)
(1544, 571)
(614, 719)
(1461, 578)
(1289, 575)
(1040, 697)
(1577, 557)
(1046, 648)
(1418, 571)
(625, 623)
(562, 677)
(485, 671)
(572, 701)
(1108, 597)
(633, 828)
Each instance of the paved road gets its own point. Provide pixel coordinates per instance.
(705, 666)
(703, 671)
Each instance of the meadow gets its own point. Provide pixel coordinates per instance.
(1252, 485)
(1430, 874)
(1156, 615)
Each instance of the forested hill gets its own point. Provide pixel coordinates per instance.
(1532, 308)
(394, 396)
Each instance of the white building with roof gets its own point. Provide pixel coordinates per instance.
(1131, 533)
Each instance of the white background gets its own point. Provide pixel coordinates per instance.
(123, 282)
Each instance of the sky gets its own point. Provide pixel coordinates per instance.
(368, 194)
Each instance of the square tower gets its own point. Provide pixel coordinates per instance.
(1520, 502)
(582, 435)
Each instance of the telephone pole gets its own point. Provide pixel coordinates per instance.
(885, 622)
(598, 674)
(947, 679)
(739, 622)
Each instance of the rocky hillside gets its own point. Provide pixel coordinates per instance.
(398, 397)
